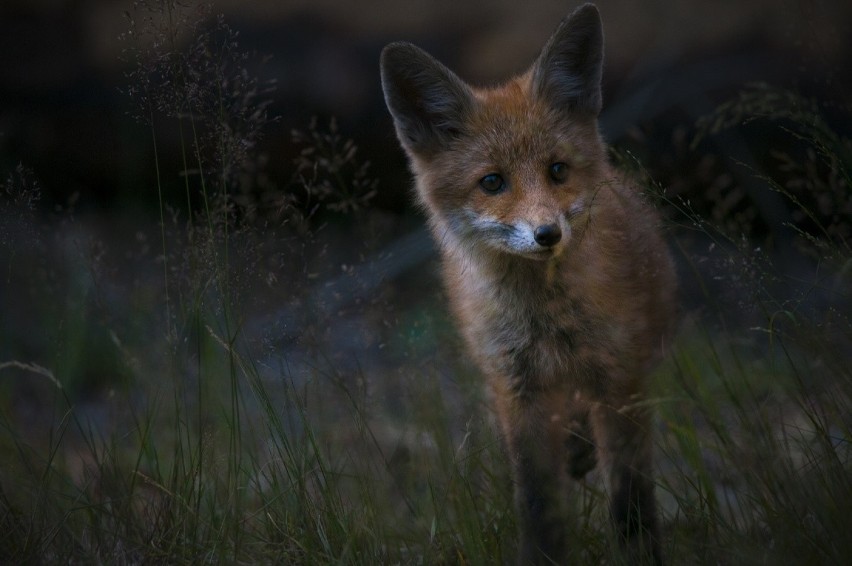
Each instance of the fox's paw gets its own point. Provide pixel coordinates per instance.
(581, 455)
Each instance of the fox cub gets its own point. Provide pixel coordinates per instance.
(560, 281)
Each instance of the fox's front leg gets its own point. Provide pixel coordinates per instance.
(623, 435)
(534, 429)
(539, 492)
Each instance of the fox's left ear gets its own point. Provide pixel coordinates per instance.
(568, 72)
(428, 102)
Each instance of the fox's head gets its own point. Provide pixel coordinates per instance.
(512, 168)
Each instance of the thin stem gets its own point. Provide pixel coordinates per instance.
(162, 229)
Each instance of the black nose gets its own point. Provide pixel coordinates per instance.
(547, 234)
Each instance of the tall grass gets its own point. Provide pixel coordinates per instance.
(164, 423)
(755, 401)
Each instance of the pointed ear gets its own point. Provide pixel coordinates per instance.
(568, 71)
(428, 102)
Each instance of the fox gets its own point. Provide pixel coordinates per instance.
(556, 271)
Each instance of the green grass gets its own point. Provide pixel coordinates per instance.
(228, 461)
(755, 450)
(261, 470)
(162, 423)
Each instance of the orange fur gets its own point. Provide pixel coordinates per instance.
(561, 283)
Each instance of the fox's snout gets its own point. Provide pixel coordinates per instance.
(547, 235)
(534, 239)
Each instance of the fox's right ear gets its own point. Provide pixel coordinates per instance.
(428, 102)
(568, 71)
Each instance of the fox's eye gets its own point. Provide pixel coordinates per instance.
(559, 172)
(492, 183)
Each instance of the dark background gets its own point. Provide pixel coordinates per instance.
(62, 114)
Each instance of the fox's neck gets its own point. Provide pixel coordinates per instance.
(515, 274)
